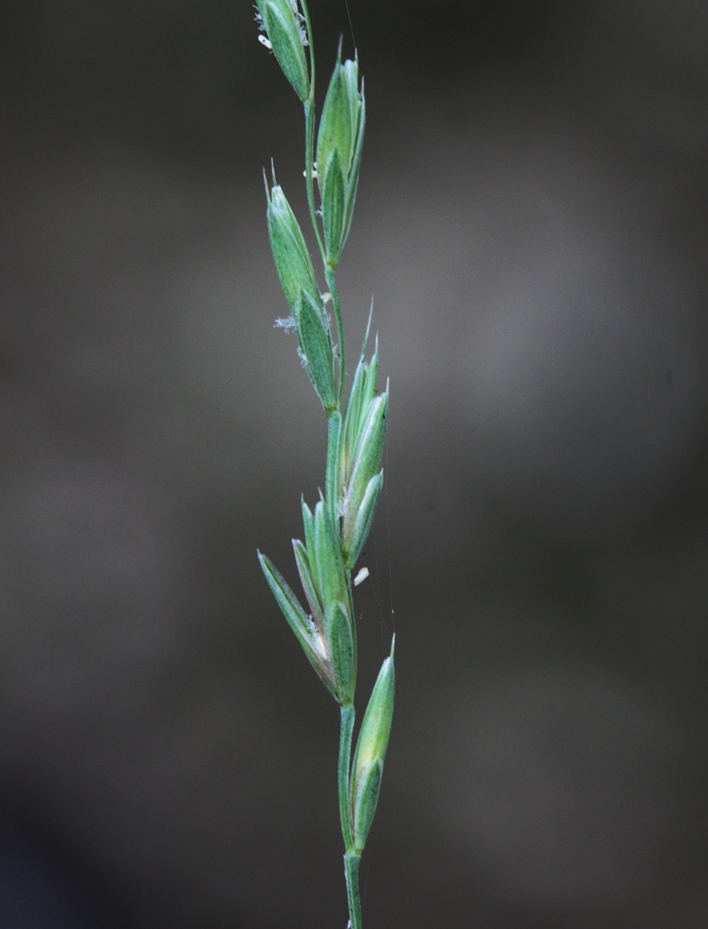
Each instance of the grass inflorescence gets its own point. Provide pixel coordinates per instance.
(336, 528)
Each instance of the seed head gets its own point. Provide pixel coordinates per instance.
(361, 477)
(290, 252)
(371, 753)
(339, 146)
(285, 33)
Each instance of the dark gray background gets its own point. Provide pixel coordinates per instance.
(532, 224)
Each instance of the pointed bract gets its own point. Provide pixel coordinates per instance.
(316, 346)
(367, 798)
(290, 253)
(371, 753)
(361, 395)
(343, 653)
(284, 27)
(328, 567)
(334, 195)
(302, 625)
(333, 470)
(355, 529)
(308, 584)
(308, 525)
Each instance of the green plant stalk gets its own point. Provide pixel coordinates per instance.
(351, 858)
(337, 307)
(351, 874)
(309, 107)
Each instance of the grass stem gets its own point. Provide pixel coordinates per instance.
(351, 874)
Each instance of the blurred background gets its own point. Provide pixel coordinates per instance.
(532, 223)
